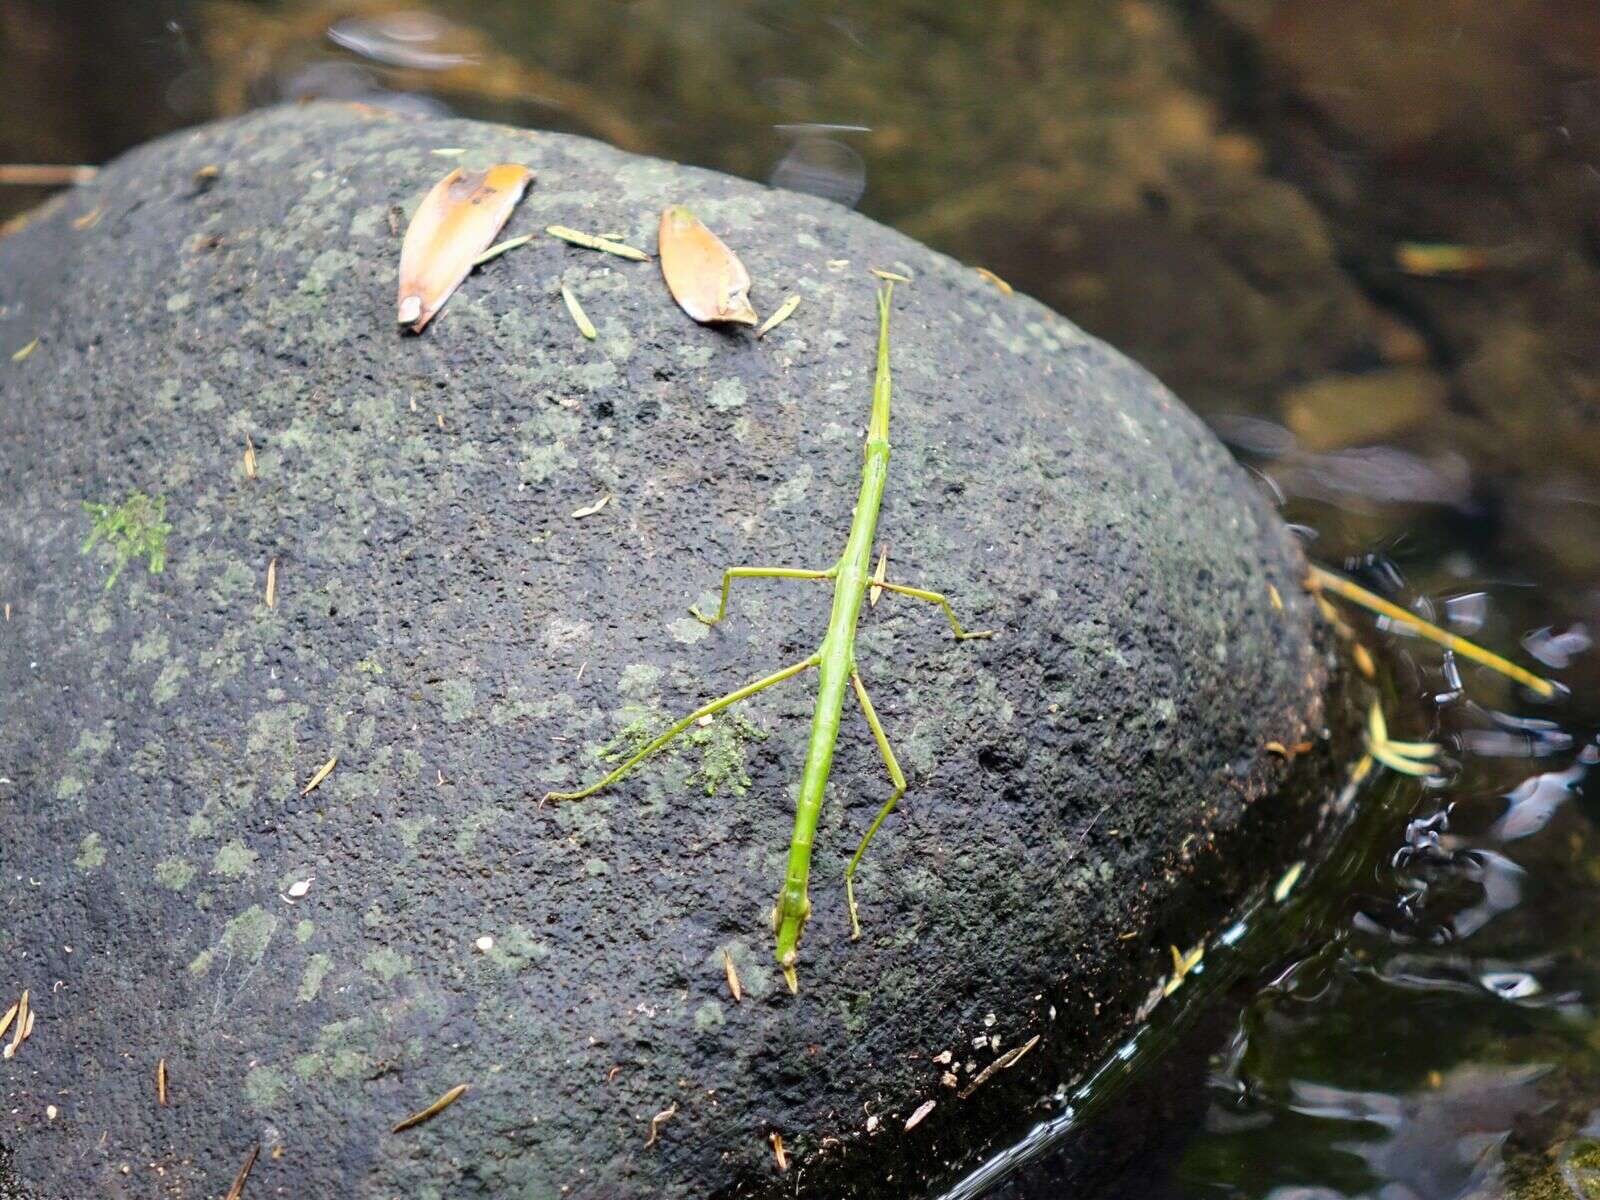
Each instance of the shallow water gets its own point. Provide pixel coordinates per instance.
(1362, 238)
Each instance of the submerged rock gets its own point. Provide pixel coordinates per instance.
(314, 965)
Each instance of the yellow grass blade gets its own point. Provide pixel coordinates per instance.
(1356, 594)
(433, 1110)
(785, 311)
(589, 241)
(579, 317)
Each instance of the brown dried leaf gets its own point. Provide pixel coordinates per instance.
(237, 1190)
(161, 1082)
(734, 988)
(705, 277)
(21, 1030)
(1006, 1060)
(777, 1150)
(454, 224)
(657, 1121)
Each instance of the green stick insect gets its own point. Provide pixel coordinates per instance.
(836, 663)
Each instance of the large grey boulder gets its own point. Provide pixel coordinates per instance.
(1085, 789)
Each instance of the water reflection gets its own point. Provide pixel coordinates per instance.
(821, 165)
(402, 39)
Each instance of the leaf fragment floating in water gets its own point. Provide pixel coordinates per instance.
(591, 241)
(579, 317)
(991, 277)
(1285, 885)
(1406, 758)
(322, 773)
(1440, 258)
(433, 1110)
(1362, 657)
(495, 251)
(1182, 964)
(452, 227)
(705, 277)
(785, 311)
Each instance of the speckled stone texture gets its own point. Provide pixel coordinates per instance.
(463, 643)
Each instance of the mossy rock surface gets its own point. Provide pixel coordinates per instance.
(1086, 788)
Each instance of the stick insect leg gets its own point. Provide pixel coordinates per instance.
(733, 573)
(657, 742)
(937, 598)
(895, 774)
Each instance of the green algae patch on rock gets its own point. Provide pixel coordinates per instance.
(463, 645)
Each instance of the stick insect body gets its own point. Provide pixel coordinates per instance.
(836, 670)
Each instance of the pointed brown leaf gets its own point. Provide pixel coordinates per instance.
(454, 225)
(706, 278)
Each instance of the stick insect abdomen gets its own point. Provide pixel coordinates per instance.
(793, 908)
(837, 664)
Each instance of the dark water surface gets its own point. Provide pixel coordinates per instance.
(1362, 238)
